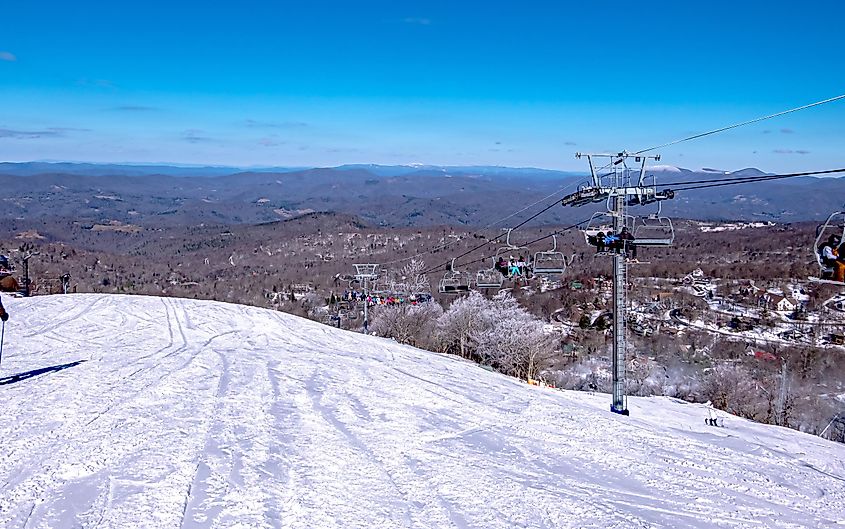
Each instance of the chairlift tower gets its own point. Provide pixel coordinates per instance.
(620, 187)
(366, 273)
(26, 281)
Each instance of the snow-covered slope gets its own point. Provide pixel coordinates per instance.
(155, 412)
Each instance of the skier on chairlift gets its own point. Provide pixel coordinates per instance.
(611, 241)
(828, 253)
(839, 266)
(626, 238)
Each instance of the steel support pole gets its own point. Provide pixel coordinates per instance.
(620, 280)
(366, 306)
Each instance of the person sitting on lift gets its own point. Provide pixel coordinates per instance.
(513, 268)
(611, 241)
(828, 256)
(597, 240)
(839, 265)
(626, 239)
(521, 264)
(502, 266)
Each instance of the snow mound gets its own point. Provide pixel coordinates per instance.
(156, 412)
(665, 168)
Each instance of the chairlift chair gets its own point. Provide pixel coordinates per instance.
(600, 222)
(510, 249)
(379, 288)
(454, 281)
(400, 289)
(551, 262)
(834, 225)
(653, 231)
(489, 277)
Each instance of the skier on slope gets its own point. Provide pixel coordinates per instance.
(3, 314)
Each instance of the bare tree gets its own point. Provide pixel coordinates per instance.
(407, 324)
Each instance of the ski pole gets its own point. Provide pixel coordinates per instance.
(2, 335)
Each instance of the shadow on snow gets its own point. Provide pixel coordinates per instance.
(19, 377)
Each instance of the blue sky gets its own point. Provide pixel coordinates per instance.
(441, 82)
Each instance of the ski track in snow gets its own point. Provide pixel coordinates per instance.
(193, 414)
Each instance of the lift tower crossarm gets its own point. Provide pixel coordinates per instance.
(598, 191)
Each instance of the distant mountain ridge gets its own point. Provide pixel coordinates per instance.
(380, 195)
(108, 169)
(95, 169)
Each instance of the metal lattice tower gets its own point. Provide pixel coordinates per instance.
(620, 187)
(620, 306)
(366, 273)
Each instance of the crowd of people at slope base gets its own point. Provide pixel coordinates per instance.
(832, 257)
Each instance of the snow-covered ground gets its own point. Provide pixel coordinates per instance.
(156, 412)
(708, 227)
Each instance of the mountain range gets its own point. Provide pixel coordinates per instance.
(380, 195)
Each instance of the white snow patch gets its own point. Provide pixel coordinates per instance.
(665, 168)
(124, 411)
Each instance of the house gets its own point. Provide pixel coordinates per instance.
(776, 302)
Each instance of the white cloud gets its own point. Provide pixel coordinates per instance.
(7, 56)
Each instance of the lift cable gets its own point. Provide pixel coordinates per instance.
(490, 225)
(544, 237)
(497, 238)
(736, 125)
(704, 184)
(692, 185)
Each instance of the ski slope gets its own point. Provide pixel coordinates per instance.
(128, 412)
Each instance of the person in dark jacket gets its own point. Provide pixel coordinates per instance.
(828, 255)
(626, 238)
(3, 314)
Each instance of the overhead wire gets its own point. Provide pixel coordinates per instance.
(719, 182)
(752, 178)
(490, 225)
(561, 231)
(742, 124)
(497, 238)
(691, 185)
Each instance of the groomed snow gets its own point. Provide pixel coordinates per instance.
(157, 412)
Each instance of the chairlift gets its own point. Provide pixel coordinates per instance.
(493, 277)
(551, 262)
(454, 281)
(653, 230)
(510, 249)
(601, 222)
(826, 235)
(400, 289)
(380, 288)
(600, 225)
(489, 277)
